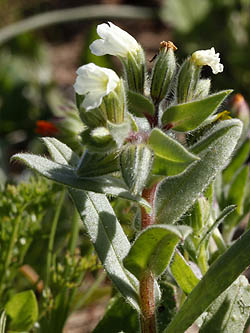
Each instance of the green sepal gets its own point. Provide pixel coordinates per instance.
(97, 164)
(134, 68)
(186, 117)
(224, 271)
(22, 309)
(135, 165)
(187, 79)
(230, 311)
(93, 118)
(214, 151)
(202, 88)
(154, 248)
(162, 74)
(170, 157)
(96, 145)
(139, 105)
(238, 159)
(183, 273)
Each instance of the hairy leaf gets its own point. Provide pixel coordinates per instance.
(176, 194)
(188, 116)
(153, 249)
(224, 271)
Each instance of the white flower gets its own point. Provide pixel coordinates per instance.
(115, 41)
(94, 83)
(208, 57)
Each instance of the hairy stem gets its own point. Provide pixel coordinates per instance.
(147, 296)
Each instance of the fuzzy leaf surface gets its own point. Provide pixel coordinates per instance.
(170, 157)
(224, 271)
(22, 308)
(66, 175)
(139, 105)
(105, 232)
(153, 249)
(183, 273)
(230, 311)
(109, 239)
(188, 116)
(176, 194)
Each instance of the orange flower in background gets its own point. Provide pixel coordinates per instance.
(46, 128)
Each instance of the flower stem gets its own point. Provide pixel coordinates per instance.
(148, 219)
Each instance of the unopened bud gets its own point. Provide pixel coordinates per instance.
(240, 110)
(202, 88)
(163, 71)
(101, 135)
(135, 163)
(188, 78)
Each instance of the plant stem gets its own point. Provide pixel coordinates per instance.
(148, 318)
(52, 236)
(147, 296)
(74, 232)
(149, 195)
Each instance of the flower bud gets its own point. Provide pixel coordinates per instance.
(240, 110)
(117, 42)
(135, 163)
(202, 88)
(163, 72)
(101, 135)
(188, 77)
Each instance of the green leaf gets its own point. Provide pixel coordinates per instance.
(221, 274)
(22, 309)
(60, 151)
(176, 194)
(139, 105)
(230, 311)
(237, 190)
(109, 239)
(2, 322)
(153, 249)
(188, 116)
(66, 175)
(238, 159)
(183, 273)
(170, 157)
(118, 317)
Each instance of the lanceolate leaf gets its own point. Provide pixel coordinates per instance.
(170, 157)
(230, 311)
(221, 274)
(104, 230)
(153, 249)
(176, 194)
(186, 117)
(183, 273)
(109, 240)
(66, 175)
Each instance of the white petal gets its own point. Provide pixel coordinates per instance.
(208, 57)
(115, 41)
(92, 101)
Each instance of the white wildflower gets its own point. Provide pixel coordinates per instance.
(94, 83)
(115, 41)
(208, 57)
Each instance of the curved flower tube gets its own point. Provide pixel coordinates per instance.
(114, 41)
(94, 83)
(208, 57)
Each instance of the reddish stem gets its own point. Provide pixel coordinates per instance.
(149, 195)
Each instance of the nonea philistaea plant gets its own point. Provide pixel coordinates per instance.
(158, 147)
